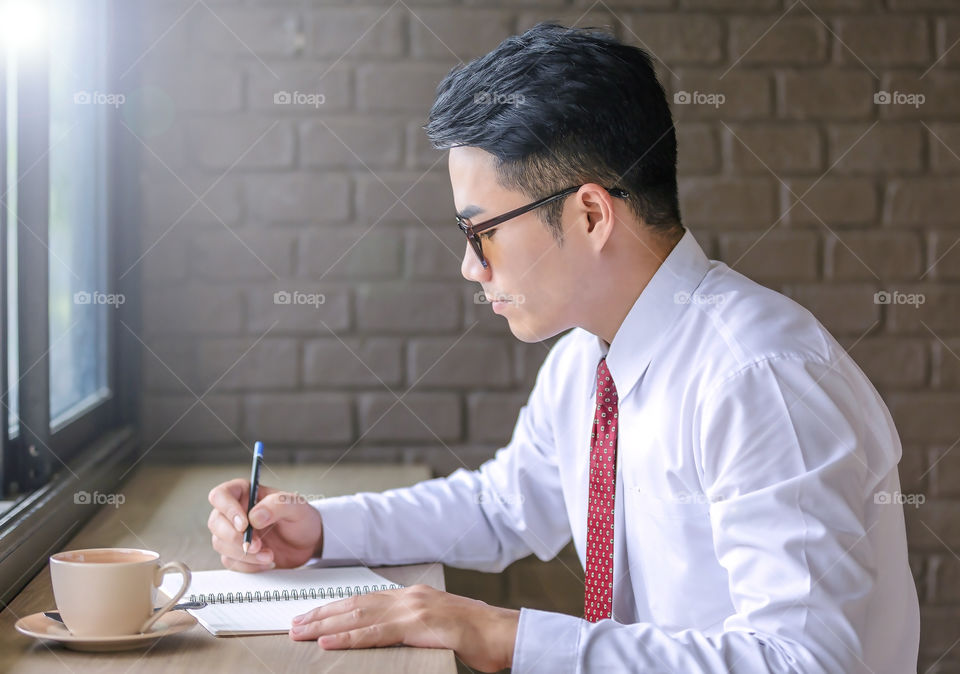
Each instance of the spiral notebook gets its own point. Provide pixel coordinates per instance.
(266, 602)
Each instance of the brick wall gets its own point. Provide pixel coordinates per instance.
(791, 171)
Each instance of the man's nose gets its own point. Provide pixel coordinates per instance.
(471, 268)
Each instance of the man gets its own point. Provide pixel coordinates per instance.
(717, 458)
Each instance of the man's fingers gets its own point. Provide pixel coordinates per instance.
(255, 555)
(228, 499)
(371, 636)
(222, 529)
(244, 567)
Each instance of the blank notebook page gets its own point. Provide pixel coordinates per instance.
(266, 602)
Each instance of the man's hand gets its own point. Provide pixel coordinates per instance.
(481, 635)
(288, 531)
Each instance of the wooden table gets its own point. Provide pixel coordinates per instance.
(166, 510)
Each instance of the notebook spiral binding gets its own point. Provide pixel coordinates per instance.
(338, 592)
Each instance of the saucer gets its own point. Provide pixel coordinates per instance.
(40, 626)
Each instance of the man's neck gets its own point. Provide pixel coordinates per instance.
(637, 269)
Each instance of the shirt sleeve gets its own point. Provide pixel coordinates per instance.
(484, 519)
(790, 452)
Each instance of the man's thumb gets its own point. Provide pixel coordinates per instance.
(272, 508)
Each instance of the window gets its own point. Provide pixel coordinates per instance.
(60, 307)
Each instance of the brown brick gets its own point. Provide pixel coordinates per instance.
(883, 40)
(356, 32)
(213, 88)
(865, 255)
(165, 258)
(864, 148)
(435, 253)
(420, 152)
(945, 574)
(241, 143)
(528, 359)
(186, 201)
(825, 94)
(944, 141)
(493, 416)
(944, 468)
(738, 5)
(407, 307)
(774, 256)
(468, 362)
(169, 365)
(946, 364)
(268, 311)
(944, 259)
(912, 470)
(248, 364)
(777, 148)
(592, 16)
(727, 202)
(356, 252)
(172, 420)
(948, 33)
(315, 418)
(844, 309)
(359, 142)
(676, 38)
(192, 308)
(298, 198)
(938, 87)
(791, 40)
(831, 201)
(247, 32)
(423, 417)
(400, 87)
(748, 94)
(242, 255)
(328, 79)
(937, 306)
(892, 363)
(372, 362)
(698, 151)
(926, 417)
(460, 34)
(408, 199)
(922, 202)
(938, 636)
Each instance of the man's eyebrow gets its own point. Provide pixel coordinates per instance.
(470, 211)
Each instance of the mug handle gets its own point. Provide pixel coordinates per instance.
(157, 580)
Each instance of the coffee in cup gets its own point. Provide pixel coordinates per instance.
(104, 592)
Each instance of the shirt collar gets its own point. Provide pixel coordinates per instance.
(660, 304)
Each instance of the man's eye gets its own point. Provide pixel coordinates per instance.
(488, 234)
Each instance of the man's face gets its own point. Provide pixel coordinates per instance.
(536, 277)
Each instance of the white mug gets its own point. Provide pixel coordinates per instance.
(105, 592)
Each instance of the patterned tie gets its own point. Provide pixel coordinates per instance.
(598, 593)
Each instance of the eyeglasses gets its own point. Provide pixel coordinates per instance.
(472, 231)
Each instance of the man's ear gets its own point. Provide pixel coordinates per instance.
(596, 205)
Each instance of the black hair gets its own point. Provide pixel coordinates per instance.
(559, 107)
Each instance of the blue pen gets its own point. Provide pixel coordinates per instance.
(254, 484)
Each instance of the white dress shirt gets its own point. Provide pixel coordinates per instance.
(752, 533)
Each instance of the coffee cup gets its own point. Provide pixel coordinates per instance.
(105, 592)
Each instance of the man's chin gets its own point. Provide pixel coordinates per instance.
(531, 334)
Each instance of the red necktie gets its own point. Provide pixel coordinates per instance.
(598, 593)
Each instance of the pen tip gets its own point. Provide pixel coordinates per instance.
(246, 546)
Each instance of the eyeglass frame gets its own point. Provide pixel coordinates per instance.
(472, 231)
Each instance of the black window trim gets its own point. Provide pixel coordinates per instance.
(94, 450)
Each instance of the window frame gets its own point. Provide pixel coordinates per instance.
(94, 449)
